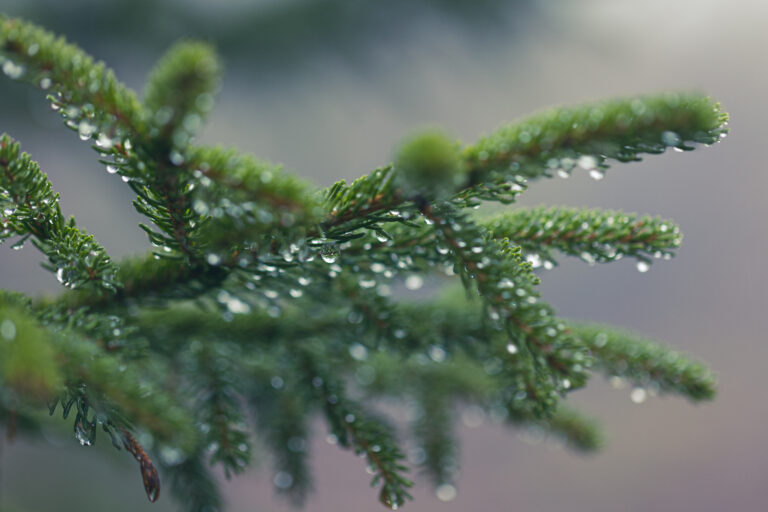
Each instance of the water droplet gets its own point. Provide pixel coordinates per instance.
(8, 329)
(329, 253)
(534, 259)
(45, 83)
(13, 70)
(473, 416)
(213, 259)
(597, 174)
(171, 456)
(112, 169)
(643, 266)
(617, 382)
(367, 283)
(283, 480)
(414, 282)
(237, 306)
(84, 431)
(437, 353)
(506, 283)
(588, 258)
(378, 267)
(512, 348)
(103, 141)
(85, 130)
(601, 339)
(176, 158)
(587, 162)
(304, 281)
(670, 138)
(445, 492)
(358, 352)
(638, 395)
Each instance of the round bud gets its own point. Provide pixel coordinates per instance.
(429, 165)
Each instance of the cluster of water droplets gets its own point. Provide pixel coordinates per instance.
(11, 69)
(564, 167)
(232, 303)
(537, 261)
(638, 394)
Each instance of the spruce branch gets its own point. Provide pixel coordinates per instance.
(180, 91)
(30, 208)
(220, 415)
(282, 423)
(352, 427)
(560, 139)
(122, 392)
(579, 432)
(145, 280)
(554, 361)
(554, 142)
(265, 298)
(84, 92)
(646, 363)
(433, 431)
(592, 235)
(191, 481)
(250, 207)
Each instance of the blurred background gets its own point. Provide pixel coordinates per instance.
(329, 87)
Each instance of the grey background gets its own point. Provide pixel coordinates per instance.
(333, 103)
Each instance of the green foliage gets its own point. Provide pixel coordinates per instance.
(266, 302)
(28, 359)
